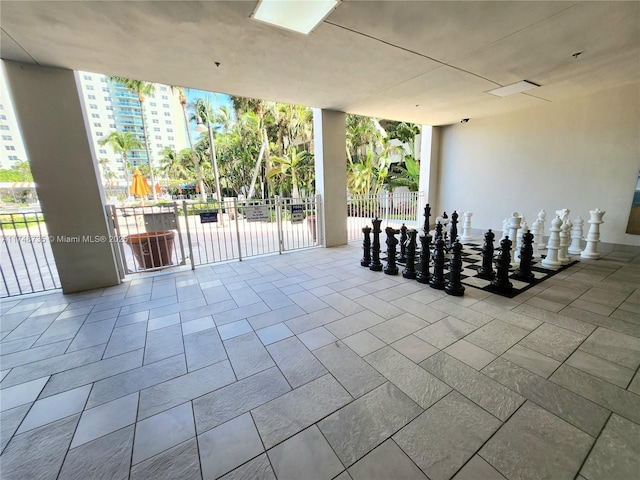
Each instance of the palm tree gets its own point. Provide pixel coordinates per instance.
(174, 164)
(122, 143)
(293, 165)
(142, 89)
(23, 167)
(194, 157)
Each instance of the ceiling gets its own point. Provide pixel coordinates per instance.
(419, 61)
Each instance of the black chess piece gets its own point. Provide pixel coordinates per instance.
(454, 285)
(437, 280)
(426, 215)
(453, 228)
(410, 269)
(486, 270)
(501, 283)
(392, 241)
(375, 264)
(524, 272)
(403, 244)
(424, 275)
(366, 247)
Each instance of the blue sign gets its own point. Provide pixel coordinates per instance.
(208, 217)
(297, 213)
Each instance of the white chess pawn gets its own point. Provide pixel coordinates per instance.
(515, 221)
(593, 237)
(576, 236)
(466, 227)
(551, 260)
(537, 237)
(542, 217)
(564, 242)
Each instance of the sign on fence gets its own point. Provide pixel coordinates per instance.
(208, 217)
(257, 213)
(297, 213)
(155, 222)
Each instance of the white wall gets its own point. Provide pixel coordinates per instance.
(578, 154)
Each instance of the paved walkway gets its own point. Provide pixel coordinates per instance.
(308, 366)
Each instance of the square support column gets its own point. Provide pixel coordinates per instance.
(429, 163)
(50, 115)
(330, 147)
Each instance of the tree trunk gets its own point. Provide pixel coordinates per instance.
(146, 146)
(194, 157)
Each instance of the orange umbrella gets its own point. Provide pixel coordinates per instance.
(158, 189)
(139, 185)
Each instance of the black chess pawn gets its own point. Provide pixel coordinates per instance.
(454, 285)
(375, 264)
(403, 244)
(410, 269)
(453, 228)
(392, 241)
(501, 283)
(426, 215)
(524, 272)
(438, 234)
(366, 247)
(486, 270)
(437, 280)
(424, 275)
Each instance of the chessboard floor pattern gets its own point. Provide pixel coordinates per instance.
(307, 365)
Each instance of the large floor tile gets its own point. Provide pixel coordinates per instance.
(531, 360)
(444, 332)
(295, 361)
(10, 421)
(496, 336)
(444, 437)
(536, 444)
(385, 462)
(398, 327)
(55, 408)
(237, 398)
(292, 412)
(616, 453)
(564, 403)
(489, 394)
(357, 428)
(552, 341)
(106, 418)
(228, 446)
(181, 461)
(20, 394)
(305, 455)
(256, 468)
(106, 458)
(601, 368)
(613, 346)
(353, 373)
(355, 323)
(247, 355)
(414, 348)
(477, 468)
(421, 386)
(470, 354)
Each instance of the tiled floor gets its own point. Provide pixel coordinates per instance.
(308, 366)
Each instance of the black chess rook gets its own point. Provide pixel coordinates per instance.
(366, 247)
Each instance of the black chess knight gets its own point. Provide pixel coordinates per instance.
(403, 244)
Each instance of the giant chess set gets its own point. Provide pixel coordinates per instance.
(446, 261)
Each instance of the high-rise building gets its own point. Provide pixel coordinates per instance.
(110, 107)
(113, 107)
(12, 149)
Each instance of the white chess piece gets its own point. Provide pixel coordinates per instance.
(551, 260)
(515, 221)
(593, 237)
(563, 257)
(523, 228)
(505, 228)
(563, 214)
(576, 236)
(537, 236)
(466, 227)
(542, 217)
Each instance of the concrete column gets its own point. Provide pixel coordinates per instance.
(330, 143)
(429, 162)
(63, 164)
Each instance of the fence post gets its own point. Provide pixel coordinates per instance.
(279, 222)
(319, 221)
(235, 208)
(118, 250)
(186, 222)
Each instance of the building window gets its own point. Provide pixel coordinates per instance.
(165, 105)
(173, 146)
(165, 97)
(167, 114)
(163, 89)
(104, 80)
(170, 138)
(106, 99)
(95, 115)
(155, 120)
(7, 137)
(152, 104)
(105, 89)
(99, 134)
(112, 125)
(158, 137)
(168, 122)
(92, 97)
(159, 145)
(154, 112)
(9, 147)
(97, 124)
(87, 77)
(170, 130)
(4, 127)
(89, 87)
(93, 106)
(156, 129)
(13, 157)
(3, 117)
(103, 151)
(110, 117)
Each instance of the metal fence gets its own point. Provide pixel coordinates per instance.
(26, 260)
(394, 208)
(157, 237)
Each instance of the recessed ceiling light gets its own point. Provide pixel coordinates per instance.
(296, 15)
(514, 88)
